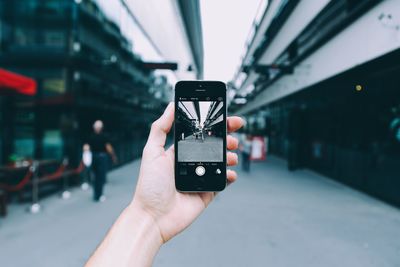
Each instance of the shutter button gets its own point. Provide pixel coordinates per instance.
(200, 170)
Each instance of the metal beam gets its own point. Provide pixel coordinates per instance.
(191, 15)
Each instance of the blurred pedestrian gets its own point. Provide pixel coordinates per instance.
(101, 148)
(246, 148)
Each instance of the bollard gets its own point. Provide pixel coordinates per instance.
(66, 194)
(85, 175)
(35, 206)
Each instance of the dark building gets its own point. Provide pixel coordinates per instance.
(320, 79)
(85, 70)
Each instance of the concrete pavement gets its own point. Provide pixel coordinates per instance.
(268, 218)
(195, 150)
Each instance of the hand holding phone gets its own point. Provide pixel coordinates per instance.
(158, 211)
(155, 192)
(200, 136)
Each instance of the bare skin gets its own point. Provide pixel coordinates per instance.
(157, 212)
(110, 151)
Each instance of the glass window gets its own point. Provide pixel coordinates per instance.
(24, 147)
(52, 144)
(54, 38)
(24, 142)
(43, 7)
(23, 36)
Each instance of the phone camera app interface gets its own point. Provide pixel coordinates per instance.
(200, 133)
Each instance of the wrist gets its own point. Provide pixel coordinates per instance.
(134, 240)
(147, 220)
(143, 239)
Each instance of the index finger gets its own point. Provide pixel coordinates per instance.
(235, 123)
(161, 127)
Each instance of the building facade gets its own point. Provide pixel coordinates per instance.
(85, 69)
(320, 79)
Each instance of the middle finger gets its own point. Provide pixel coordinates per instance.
(232, 142)
(232, 159)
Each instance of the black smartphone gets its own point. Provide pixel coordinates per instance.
(200, 136)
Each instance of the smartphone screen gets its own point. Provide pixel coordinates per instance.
(200, 136)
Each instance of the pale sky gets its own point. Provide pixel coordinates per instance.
(226, 24)
(204, 106)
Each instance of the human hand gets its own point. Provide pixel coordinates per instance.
(114, 159)
(156, 195)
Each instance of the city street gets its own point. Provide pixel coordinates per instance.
(192, 149)
(93, 82)
(268, 218)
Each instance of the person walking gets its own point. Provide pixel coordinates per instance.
(101, 147)
(246, 153)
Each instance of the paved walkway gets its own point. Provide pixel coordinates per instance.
(192, 150)
(270, 218)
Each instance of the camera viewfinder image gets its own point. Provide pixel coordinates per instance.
(200, 131)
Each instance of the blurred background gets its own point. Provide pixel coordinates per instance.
(317, 82)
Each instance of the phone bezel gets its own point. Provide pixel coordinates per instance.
(209, 182)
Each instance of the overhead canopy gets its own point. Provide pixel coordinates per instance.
(17, 82)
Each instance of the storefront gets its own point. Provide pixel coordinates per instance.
(16, 119)
(346, 127)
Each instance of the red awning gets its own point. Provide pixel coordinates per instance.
(17, 82)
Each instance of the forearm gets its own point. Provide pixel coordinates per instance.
(110, 151)
(133, 240)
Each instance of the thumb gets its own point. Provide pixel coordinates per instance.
(161, 127)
